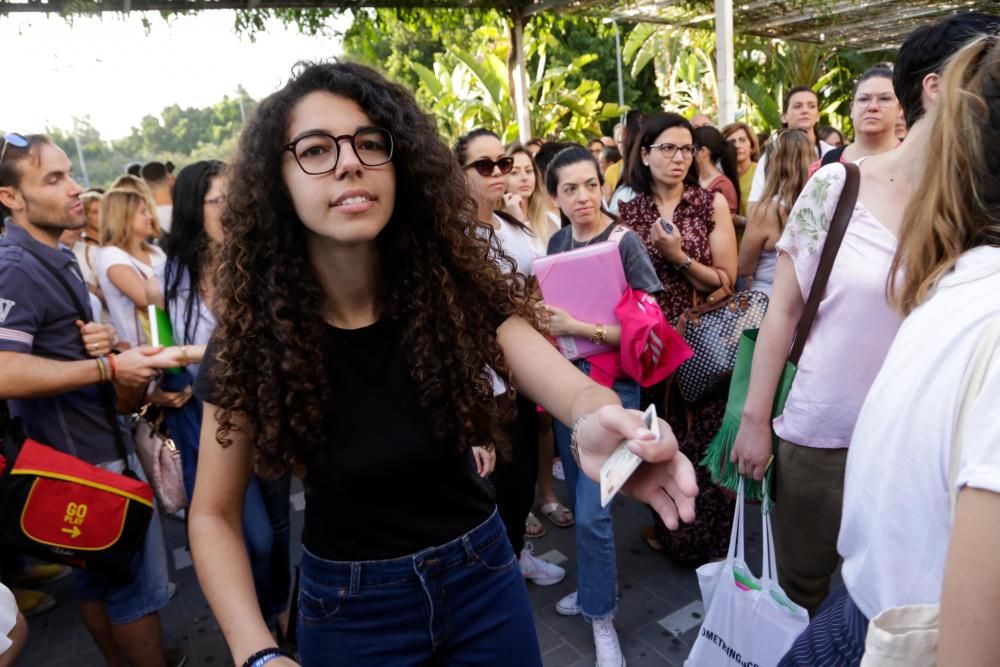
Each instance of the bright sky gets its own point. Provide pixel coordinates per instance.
(110, 70)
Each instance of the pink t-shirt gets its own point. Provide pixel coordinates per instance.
(855, 324)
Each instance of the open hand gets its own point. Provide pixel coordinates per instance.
(665, 481)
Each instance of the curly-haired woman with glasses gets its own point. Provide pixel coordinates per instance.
(361, 325)
(688, 232)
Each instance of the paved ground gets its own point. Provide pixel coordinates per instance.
(658, 616)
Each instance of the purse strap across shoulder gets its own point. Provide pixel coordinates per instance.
(831, 246)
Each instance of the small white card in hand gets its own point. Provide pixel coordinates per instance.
(622, 463)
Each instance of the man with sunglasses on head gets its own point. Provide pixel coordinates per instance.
(49, 376)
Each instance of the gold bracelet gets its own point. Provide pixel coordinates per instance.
(185, 360)
(600, 334)
(102, 370)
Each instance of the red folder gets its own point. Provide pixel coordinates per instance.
(587, 283)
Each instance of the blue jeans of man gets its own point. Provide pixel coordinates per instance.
(460, 604)
(597, 568)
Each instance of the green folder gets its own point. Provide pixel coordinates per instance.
(160, 331)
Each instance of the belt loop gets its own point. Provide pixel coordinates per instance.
(470, 552)
(355, 579)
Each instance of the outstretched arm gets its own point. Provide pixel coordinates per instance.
(666, 481)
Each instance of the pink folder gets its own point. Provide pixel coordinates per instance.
(587, 283)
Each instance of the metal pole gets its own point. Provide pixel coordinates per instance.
(725, 61)
(621, 83)
(79, 155)
(520, 77)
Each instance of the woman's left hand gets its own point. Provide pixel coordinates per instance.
(666, 478)
(170, 399)
(557, 321)
(486, 460)
(98, 338)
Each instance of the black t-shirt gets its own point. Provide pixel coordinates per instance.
(387, 486)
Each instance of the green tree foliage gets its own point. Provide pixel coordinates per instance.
(684, 63)
(181, 136)
(406, 44)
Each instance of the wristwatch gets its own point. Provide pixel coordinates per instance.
(685, 265)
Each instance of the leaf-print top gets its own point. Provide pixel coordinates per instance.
(855, 324)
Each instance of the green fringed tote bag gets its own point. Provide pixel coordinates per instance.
(716, 459)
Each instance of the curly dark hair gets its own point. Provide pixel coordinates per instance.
(437, 282)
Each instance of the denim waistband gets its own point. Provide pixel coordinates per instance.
(354, 575)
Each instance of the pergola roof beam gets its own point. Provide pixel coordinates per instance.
(871, 23)
(843, 8)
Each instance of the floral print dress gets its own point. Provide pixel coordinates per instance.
(695, 424)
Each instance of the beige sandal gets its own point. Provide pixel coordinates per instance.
(558, 514)
(533, 528)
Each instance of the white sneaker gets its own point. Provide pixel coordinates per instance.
(569, 605)
(537, 570)
(609, 651)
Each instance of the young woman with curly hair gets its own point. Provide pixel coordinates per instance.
(360, 325)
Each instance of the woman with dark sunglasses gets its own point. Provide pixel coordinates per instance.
(359, 330)
(486, 166)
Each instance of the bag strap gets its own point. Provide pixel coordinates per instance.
(618, 233)
(983, 357)
(834, 237)
(104, 390)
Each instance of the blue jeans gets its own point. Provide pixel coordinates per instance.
(184, 425)
(597, 568)
(463, 603)
(145, 592)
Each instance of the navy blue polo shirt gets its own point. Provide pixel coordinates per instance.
(38, 317)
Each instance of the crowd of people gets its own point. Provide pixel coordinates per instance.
(356, 303)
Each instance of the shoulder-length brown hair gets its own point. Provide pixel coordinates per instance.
(789, 156)
(957, 205)
(436, 284)
(118, 209)
(733, 128)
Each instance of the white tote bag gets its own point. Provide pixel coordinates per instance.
(907, 636)
(749, 621)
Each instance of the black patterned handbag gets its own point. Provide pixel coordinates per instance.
(713, 331)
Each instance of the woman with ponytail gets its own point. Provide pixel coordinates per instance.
(573, 180)
(712, 151)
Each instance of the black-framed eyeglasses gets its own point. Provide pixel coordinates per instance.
(485, 166)
(668, 150)
(12, 139)
(319, 153)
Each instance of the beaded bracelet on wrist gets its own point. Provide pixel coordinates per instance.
(573, 446)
